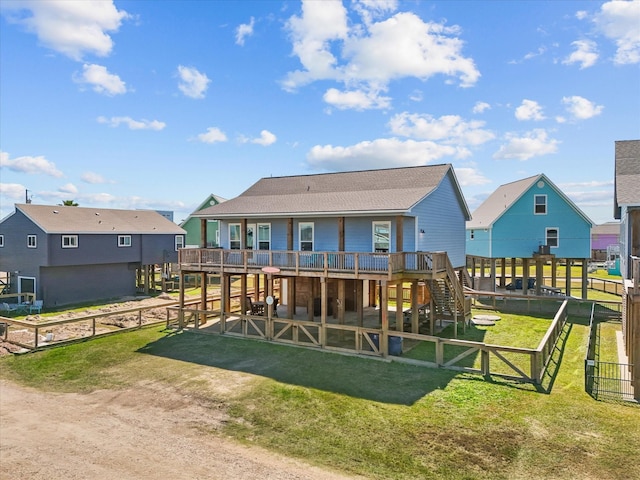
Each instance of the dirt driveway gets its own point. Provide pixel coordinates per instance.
(129, 434)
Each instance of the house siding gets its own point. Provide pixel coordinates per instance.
(15, 255)
(480, 244)
(67, 285)
(443, 225)
(519, 233)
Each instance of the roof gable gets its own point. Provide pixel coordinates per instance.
(393, 190)
(505, 196)
(81, 220)
(212, 199)
(627, 174)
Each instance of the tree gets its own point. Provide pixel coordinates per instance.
(69, 203)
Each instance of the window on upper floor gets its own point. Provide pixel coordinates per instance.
(179, 242)
(1, 241)
(32, 241)
(124, 240)
(69, 241)
(540, 204)
(552, 237)
(381, 236)
(305, 234)
(264, 236)
(234, 236)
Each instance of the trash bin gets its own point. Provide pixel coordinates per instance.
(395, 345)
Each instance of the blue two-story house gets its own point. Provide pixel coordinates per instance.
(530, 221)
(70, 255)
(335, 239)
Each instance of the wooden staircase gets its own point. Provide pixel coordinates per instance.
(448, 296)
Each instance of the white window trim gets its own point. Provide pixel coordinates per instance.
(122, 240)
(1, 241)
(313, 235)
(258, 235)
(73, 241)
(546, 236)
(546, 203)
(373, 234)
(231, 227)
(35, 241)
(179, 242)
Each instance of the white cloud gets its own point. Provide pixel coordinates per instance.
(73, 28)
(532, 144)
(30, 165)
(380, 153)
(68, 188)
(101, 80)
(192, 82)
(581, 108)
(365, 58)
(12, 191)
(212, 135)
(450, 129)
(370, 9)
(581, 14)
(529, 110)
(244, 30)
(266, 138)
(132, 124)
(585, 54)
(356, 99)
(618, 21)
(469, 176)
(92, 178)
(416, 96)
(481, 107)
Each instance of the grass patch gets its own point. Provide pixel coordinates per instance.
(378, 419)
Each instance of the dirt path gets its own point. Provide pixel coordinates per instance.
(130, 434)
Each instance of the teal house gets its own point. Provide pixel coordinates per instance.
(193, 225)
(530, 221)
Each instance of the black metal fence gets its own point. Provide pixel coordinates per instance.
(606, 381)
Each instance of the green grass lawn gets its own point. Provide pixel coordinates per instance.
(378, 419)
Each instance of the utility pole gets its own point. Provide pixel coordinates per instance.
(26, 197)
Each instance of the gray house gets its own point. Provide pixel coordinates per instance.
(627, 201)
(68, 255)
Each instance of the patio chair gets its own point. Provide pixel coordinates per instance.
(5, 307)
(36, 306)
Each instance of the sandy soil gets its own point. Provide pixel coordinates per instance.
(130, 434)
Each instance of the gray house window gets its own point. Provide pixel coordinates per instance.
(124, 240)
(540, 205)
(264, 236)
(69, 241)
(552, 237)
(32, 241)
(1, 240)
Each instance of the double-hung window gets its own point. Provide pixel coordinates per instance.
(552, 237)
(305, 233)
(32, 241)
(540, 204)
(381, 237)
(179, 242)
(264, 236)
(124, 240)
(234, 236)
(69, 241)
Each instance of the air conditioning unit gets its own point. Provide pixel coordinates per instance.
(544, 250)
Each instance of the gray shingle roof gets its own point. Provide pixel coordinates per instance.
(393, 190)
(80, 220)
(627, 180)
(506, 195)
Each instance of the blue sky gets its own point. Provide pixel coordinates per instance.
(140, 104)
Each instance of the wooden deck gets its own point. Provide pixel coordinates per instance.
(371, 266)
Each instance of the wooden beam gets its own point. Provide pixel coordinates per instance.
(290, 234)
(203, 298)
(203, 233)
(568, 276)
(585, 279)
(384, 305)
(399, 233)
(399, 313)
(341, 234)
(360, 301)
(243, 234)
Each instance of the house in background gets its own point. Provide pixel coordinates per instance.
(602, 237)
(533, 222)
(69, 255)
(333, 240)
(194, 228)
(627, 210)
